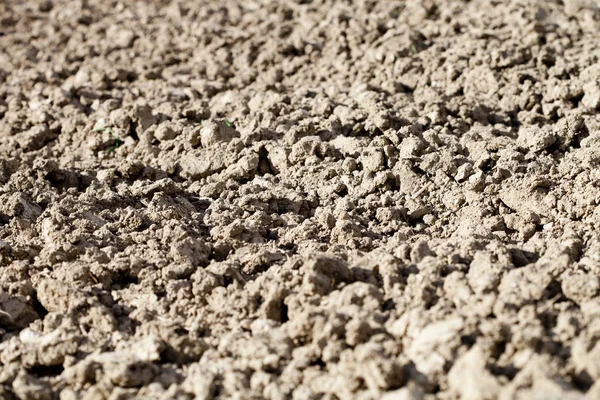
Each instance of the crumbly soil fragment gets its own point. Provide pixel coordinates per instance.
(299, 200)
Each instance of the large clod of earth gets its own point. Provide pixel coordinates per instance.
(299, 199)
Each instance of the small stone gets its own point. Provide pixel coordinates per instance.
(429, 219)
(213, 132)
(591, 98)
(373, 160)
(349, 165)
(165, 131)
(463, 172)
(122, 38)
(411, 147)
(416, 209)
(476, 182)
(149, 348)
(535, 139)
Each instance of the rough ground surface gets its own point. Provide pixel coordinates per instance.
(321, 199)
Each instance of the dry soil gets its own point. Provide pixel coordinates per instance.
(299, 199)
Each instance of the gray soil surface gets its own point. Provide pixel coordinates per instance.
(299, 199)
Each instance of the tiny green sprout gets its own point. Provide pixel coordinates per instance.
(413, 48)
(114, 135)
(229, 124)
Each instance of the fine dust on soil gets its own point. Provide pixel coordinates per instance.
(326, 199)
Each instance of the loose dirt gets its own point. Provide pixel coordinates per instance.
(253, 199)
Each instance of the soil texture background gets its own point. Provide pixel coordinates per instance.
(299, 199)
